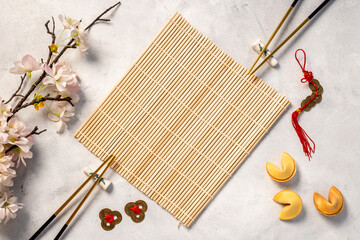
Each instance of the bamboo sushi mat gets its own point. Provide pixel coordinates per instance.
(182, 120)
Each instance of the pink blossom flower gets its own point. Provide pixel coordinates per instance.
(28, 64)
(62, 78)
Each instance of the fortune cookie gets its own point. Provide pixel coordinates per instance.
(292, 202)
(287, 171)
(332, 206)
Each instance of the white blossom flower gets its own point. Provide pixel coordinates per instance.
(17, 133)
(6, 172)
(81, 39)
(67, 22)
(62, 78)
(3, 135)
(5, 110)
(21, 154)
(5, 163)
(3, 125)
(3, 140)
(23, 150)
(27, 64)
(60, 112)
(6, 179)
(8, 207)
(2, 147)
(16, 129)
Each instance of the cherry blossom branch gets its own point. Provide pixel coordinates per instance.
(33, 132)
(53, 36)
(99, 18)
(18, 90)
(68, 45)
(58, 98)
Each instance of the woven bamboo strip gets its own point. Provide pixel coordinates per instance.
(153, 42)
(182, 120)
(216, 166)
(109, 97)
(199, 210)
(189, 156)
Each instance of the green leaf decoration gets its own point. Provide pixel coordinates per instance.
(97, 176)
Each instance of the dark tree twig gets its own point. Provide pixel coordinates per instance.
(53, 36)
(18, 90)
(100, 17)
(58, 98)
(33, 132)
(52, 33)
(68, 45)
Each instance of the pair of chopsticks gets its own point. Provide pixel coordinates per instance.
(251, 71)
(109, 161)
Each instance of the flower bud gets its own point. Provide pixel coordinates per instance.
(53, 48)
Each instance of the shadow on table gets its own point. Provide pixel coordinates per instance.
(338, 219)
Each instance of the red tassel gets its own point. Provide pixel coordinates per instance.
(303, 136)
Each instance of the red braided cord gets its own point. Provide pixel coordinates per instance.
(109, 218)
(135, 209)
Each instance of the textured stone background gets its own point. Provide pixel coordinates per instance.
(244, 208)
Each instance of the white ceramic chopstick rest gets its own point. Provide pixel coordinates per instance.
(258, 47)
(104, 183)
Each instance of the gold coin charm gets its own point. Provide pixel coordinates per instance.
(109, 219)
(136, 210)
(316, 100)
